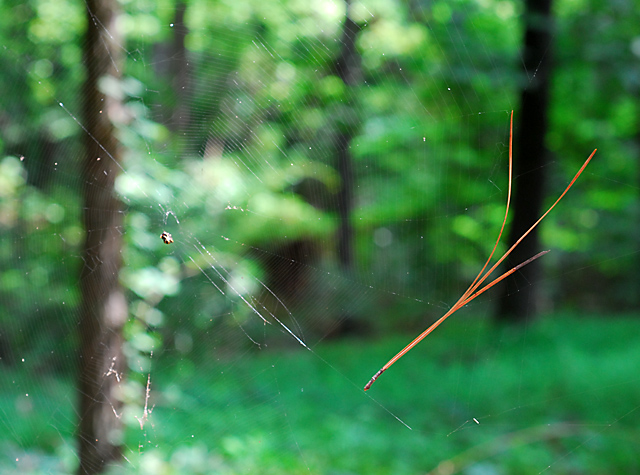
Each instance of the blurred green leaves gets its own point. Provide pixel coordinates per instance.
(254, 166)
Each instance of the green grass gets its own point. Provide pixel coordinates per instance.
(563, 393)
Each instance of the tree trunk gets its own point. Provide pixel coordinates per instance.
(104, 308)
(347, 67)
(520, 299)
(179, 70)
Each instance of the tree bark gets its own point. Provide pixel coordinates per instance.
(521, 295)
(348, 69)
(104, 308)
(179, 68)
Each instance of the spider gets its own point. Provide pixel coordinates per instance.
(166, 237)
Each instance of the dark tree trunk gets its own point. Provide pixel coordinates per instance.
(520, 299)
(104, 308)
(179, 69)
(345, 203)
(171, 63)
(348, 69)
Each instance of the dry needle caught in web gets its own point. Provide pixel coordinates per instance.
(476, 287)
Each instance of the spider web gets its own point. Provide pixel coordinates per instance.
(249, 341)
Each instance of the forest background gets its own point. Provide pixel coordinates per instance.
(333, 176)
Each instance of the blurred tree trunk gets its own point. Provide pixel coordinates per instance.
(104, 308)
(347, 67)
(180, 69)
(521, 299)
(172, 64)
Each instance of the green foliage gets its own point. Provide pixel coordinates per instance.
(37, 229)
(429, 169)
(565, 384)
(253, 169)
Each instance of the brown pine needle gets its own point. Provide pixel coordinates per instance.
(475, 288)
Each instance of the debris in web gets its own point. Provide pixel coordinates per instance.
(146, 412)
